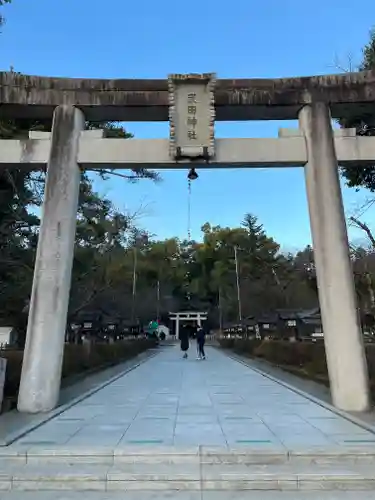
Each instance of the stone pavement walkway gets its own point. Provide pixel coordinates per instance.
(170, 401)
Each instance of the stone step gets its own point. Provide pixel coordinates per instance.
(194, 455)
(186, 477)
(244, 455)
(188, 495)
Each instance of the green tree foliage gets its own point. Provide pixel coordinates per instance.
(101, 229)
(357, 175)
(368, 60)
(265, 274)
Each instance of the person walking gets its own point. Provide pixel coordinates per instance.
(184, 340)
(201, 339)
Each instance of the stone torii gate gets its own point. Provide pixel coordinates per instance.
(195, 316)
(191, 103)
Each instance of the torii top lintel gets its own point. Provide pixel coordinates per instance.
(25, 96)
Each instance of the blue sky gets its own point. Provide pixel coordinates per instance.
(146, 39)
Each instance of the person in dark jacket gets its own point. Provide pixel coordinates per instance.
(184, 340)
(201, 339)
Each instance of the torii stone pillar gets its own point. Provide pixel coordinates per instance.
(343, 339)
(41, 369)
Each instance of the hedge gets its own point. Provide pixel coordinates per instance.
(78, 360)
(302, 358)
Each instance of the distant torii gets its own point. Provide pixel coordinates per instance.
(196, 316)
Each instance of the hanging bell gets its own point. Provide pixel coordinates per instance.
(192, 175)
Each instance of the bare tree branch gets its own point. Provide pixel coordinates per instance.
(91, 296)
(350, 66)
(365, 228)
